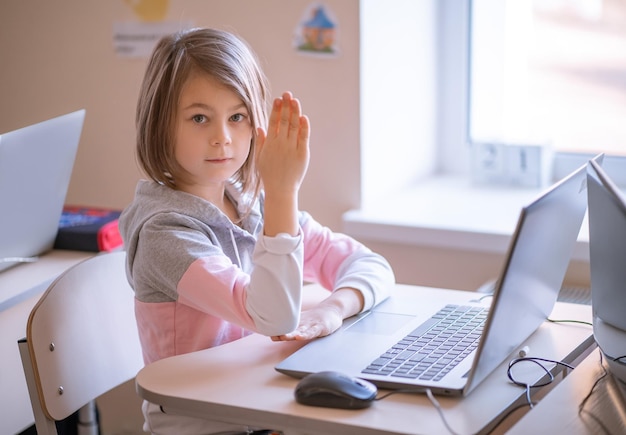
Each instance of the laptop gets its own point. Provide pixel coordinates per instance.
(607, 251)
(35, 168)
(367, 346)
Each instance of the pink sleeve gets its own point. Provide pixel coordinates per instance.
(268, 300)
(215, 286)
(324, 253)
(336, 260)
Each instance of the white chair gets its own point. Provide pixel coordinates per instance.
(81, 341)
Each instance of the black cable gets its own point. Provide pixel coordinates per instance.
(583, 402)
(538, 361)
(528, 387)
(618, 359)
(602, 376)
(529, 402)
(597, 420)
(405, 390)
(582, 322)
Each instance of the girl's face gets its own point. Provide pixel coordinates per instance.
(213, 134)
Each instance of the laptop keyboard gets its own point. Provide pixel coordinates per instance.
(435, 347)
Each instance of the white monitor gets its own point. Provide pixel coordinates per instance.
(607, 249)
(36, 164)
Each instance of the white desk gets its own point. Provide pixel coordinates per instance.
(236, 382)
(20, 288)
(603, 412)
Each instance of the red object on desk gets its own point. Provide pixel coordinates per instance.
(88, 229)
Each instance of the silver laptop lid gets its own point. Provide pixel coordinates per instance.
(533, 272)
(607, 249)
(607, 246)
(35, 168)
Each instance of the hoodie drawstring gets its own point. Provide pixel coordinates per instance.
(232, 238)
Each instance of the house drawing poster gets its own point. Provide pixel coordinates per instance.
(317, 33)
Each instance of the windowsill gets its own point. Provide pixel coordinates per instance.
(450, 213)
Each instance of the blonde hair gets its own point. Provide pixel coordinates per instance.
(227, 59)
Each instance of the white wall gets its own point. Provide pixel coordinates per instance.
(58, 56)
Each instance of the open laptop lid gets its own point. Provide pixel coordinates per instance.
(607, 246)
(35, 168)
(533, 272)
(607, 249)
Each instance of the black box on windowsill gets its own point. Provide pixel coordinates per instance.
(88, 229)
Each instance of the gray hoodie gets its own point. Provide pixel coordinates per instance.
(201, 280)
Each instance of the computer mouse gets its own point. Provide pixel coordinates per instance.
(332, 389)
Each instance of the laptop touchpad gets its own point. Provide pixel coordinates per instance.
(380, 323)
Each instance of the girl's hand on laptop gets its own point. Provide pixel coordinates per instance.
(327, 316)
(315, 322)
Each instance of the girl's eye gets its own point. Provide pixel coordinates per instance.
(199, 119)
(238, 117)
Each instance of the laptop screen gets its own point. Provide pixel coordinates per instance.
(607, 246)
(35, 168)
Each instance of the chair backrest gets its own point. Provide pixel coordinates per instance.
(81, 337)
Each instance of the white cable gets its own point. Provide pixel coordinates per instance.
(437, 406)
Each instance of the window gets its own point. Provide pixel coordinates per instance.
(419, 58)
(416, 139)
(550, 72)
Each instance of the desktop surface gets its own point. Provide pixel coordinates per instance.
(22, 281)
(588, 401)
(238, 383)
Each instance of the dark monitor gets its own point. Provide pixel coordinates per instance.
(607, 250)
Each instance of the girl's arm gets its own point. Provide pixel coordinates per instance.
(327, 316)
(358, 278)
(282, 161)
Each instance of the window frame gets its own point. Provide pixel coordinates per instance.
(433, 141)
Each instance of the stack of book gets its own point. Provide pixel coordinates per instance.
(88, 229)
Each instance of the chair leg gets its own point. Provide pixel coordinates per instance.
(88, 420)
(44, 425)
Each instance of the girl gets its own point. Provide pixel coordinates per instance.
(216, 246)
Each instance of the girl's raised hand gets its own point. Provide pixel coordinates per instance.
(282, 160)
(283, 151)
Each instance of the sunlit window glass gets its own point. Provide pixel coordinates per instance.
(549, 72)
